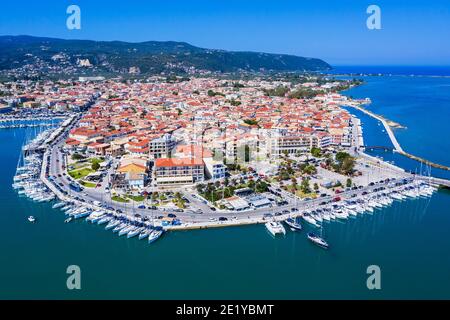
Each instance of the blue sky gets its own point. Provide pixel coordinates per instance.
(413, 32)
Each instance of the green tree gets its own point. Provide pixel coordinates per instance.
(316, 152)
(348, 165)
(251, 122)
(77, 156)
(262, 186)
(341, 156)
(305, 186)
(247, 153)
(95, 166)
(316, 187)
(349, 183)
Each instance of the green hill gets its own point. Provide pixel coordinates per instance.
(149, 57)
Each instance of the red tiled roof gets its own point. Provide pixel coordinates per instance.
(182, 162)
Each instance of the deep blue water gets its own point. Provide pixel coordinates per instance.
(421, 104)
(409, 240)
(394, 70)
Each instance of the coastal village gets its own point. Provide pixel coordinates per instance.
(200, 152)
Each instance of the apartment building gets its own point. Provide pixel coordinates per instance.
(175, 172)
(162, 146)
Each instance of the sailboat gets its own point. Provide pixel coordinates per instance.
(318, 239)
(293, 224)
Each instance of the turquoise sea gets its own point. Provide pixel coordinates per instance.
(409, 241)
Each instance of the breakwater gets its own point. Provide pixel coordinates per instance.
(388, 125)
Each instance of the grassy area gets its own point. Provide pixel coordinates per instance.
(80, 173)
(95, 160)
(119, 199)
(179, 203)
(88, 184)
(301, 194)
(136, 198)
(80, 165)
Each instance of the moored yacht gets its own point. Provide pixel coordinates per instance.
(293, 224)
(134, 232)
(104, 220)
(125, 230)
(58, 205)
(155, 234)
(275, 228)
(317, 240)
(112, 224)
(143, 234)
(310, 220)
(119, 227)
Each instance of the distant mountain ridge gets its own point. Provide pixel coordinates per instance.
(150, 57)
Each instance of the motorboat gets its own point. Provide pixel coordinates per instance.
(68, 220)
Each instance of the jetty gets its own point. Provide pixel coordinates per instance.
(388, 125)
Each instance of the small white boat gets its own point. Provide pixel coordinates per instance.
(293, 224)
(119, 227)
(125, 230)
(310, 220)
(95, 216)
(31, 219)
(58, 205)
(143, 234)
(134, 233)
(317, 240)
(340, 214)
(155, 235)
(112, 224)
(68, 220)
(396, 196)
(104, 220)
(275, 228)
